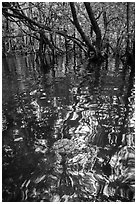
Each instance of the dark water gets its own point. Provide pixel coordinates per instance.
(65, 136)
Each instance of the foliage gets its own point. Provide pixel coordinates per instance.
(22, 23)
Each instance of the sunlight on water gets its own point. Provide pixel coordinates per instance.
(64, 137)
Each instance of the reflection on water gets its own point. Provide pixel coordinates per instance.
(65, 139)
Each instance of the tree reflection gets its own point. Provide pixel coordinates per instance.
(65, 139)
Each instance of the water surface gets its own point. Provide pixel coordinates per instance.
(66, 136)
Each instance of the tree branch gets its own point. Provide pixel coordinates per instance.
(31, 23)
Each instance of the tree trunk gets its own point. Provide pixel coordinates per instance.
(77, 25)
(94, 25)
(127, 48)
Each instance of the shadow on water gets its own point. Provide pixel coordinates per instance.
(68, 134)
